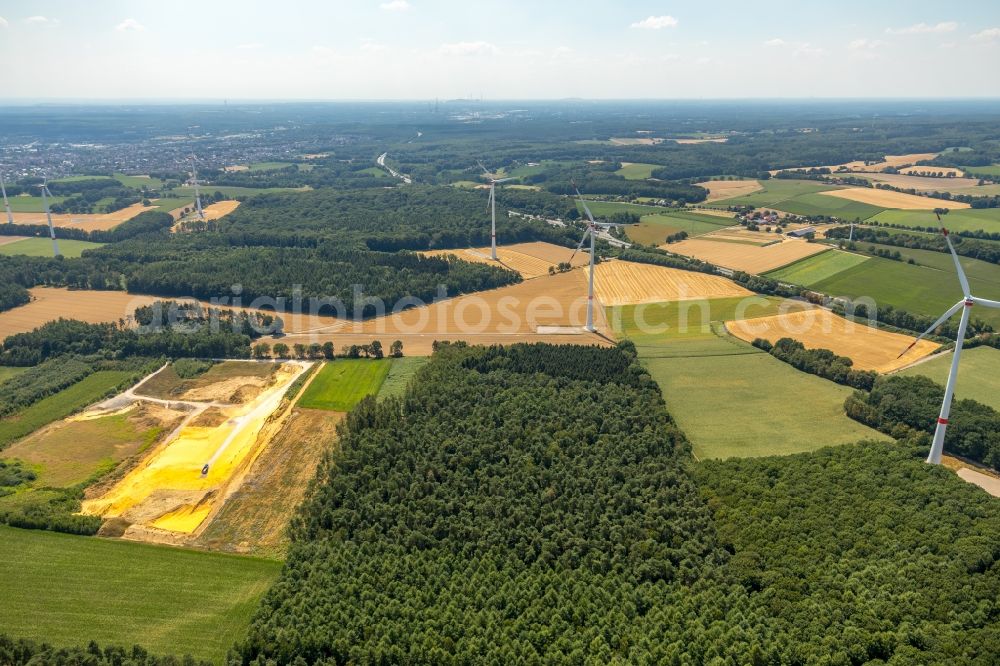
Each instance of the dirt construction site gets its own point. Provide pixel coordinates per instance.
(232, 413)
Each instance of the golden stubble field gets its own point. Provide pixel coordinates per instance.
(727, 189)
(51, 303)
(629, 283)
(90, 222)
(744, 257)
(531, 260)
(892, 199)
(870, 348)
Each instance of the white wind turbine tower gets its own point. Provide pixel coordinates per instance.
(6, 204)
(197, 192)
(48, 216)
(592, 231)
(492, 205)
(965, 305)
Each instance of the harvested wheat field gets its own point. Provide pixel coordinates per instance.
(934, 170)
(630, 283)
(743, 257)
(727, 189)
(714, 212)
(551, 308)
(816, 328)
(4, 240)
(531, 260)
(892, 199)
(220, 209)
(688, 142)
(922, 183)
(90, 222)
(897, 161)
(50, 303)
(168, 496)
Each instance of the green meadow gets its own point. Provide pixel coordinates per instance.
(343, 383)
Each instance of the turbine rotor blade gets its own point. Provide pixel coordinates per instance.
(966, 291)
(504, 180)
(580, 199)
(580, 245)
(482, 167)
(945, 317)
(985, 301)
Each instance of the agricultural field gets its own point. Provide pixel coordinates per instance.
(630, 283)
(918, 289)
(773, 192)
(343, 383)
(924, 183)
(800, 197)
(870, 348)
(51, 303)
(636, 170)
(746, 257)
(68, 590)
(88, 222)
(175, 491)
(728, 189)
(978, 374)
(653, 229)
(60, 405)
(992, 171)
(139, 181)
(769, 407)
(42, 247)
(893, 199)
(551, 308)
(401, 373)
(984, 271)
(607, 208)
(220, 209)
(530, 260)
(813, 269)
(965, 219)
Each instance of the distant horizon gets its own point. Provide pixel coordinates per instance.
(101, 101)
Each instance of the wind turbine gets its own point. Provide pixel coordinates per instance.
(48, 216)
(592, 230)
(6, 204)
(197, 193)
(965, 305)
(492, 205)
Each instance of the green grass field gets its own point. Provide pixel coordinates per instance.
(341, 384)
(168, 204)
(992, 170)
(753, 405)
(139, 181)
(776, 190)
(42, 247)
(961, 219)
(375, 171)
(7, 372)
(984, 271)
(978, 374)
(401, 372)
(816, 268)
(59, 405)
(604, 208)
(654, 229)
(800, 197)
(637, 171)
(31, 204)
(68, 590)
(918, 289)
(269, 166)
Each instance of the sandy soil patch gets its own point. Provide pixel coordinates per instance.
(629, 283)
(499, 316)
(892, 199)
(93, 222)
(748, 258)
(50, 303)
(531, 260)
(727, 189)
(869, 348)
(988, 483)
(167, 492)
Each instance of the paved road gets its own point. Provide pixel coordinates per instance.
(392, 172)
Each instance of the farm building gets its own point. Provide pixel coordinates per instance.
(804, 232)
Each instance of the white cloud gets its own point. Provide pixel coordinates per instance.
(777, 41)
(395, 6)
(3, 22)
(866, 44)
(656, 22)
(321, 50)
(987, 35)
(37, 19)
(479, 48)
(250, 46)
(369, 46)
(130, 25)
(806, 49)
(923, 28)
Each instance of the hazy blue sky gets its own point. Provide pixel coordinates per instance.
(396, 49)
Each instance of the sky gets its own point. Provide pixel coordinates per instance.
(517, 49)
